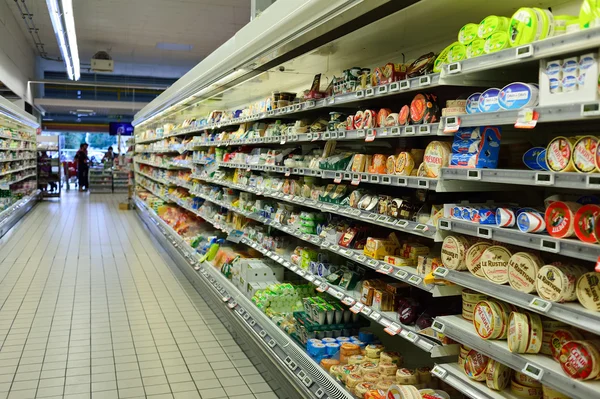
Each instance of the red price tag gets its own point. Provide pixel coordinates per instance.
(371, 134)
(337, 180)
(393, 329)
(287, 172)
(355, 181)
(527, 119)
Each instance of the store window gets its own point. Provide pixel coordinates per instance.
(98, 144)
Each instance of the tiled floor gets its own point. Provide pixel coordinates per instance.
(89, 308)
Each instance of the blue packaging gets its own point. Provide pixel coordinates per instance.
(465, 146)
(541, 160)
(468, 133)
(332, 348)
(481, 153)
(472, 106)
(518, 95)
(456, 212)
(531, 156)
(466, 213)
(359, 343)
(329, 340)
(365, 336)
(341, 340)
(488, 102)
(483, 215)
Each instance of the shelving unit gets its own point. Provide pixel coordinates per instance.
(101, 180)
(179, 116)
(49, 168)
(18, 176)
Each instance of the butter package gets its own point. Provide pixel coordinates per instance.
(480, 152)
(396, 261)
(377, 248)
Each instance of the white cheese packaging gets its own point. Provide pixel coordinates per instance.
(518, 95)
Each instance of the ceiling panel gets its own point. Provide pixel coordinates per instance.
(129, 30)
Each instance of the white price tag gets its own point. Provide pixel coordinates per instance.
(323, 287)
(375, 316)
(357, 308)
(393, 328)
(401, 274)
(533, 371)
(415, 280)
(410, 336)
(310, 278)
(366, 310)
(540, 305)
(439, 372)
(452, 124)
(348, 301)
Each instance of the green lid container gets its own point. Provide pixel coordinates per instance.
(476, 48)
(468, 33)
(492, 24)
(496, 42)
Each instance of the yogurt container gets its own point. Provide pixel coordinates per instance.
(468, 33)
(476, 48)
(496, 42)
(492, 24)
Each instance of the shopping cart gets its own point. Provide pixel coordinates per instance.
(70, 174)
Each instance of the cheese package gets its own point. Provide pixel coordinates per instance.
(518, 332)
(480, 150)
(585, 223)
(377, 248)
(584, 154)
(518, 95)
(561, 337)
(473, 257)
(359, 120)
(549, 393)
(494, 263)
(489, 319)
(358, 163)
(390, 165)
(581, 359)
(559, 154)
(454, 249)
(437, 156)
(535, 333)
(560, 218)
(370, 119)
(525, 392)
(362, 388)
(378, 164)
(488, 101)
(497, 375)
(558, 283)
(476, 365)
(523, 268)
(524, 379)
(588, 291)
(406, 377)
(382, 116)
(404, 164)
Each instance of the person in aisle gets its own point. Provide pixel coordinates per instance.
(109, 156)
(81, 158)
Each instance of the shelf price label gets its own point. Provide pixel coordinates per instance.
(439, 372)
(452, 124)
(409, 336)
(533, 371)
(540, 305)
(366, 310)
(401, 274)
(375, 316)
(371, 135)
(527, 118)
(323, 287)
(357, 308)
(393, 328)
(348, 301)
(386, 269)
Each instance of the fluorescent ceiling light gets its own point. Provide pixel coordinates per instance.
(63, 23)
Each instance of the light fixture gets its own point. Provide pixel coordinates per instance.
(63, 22)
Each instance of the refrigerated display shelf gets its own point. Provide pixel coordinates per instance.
(453, 375)
(438, 185)
(164, 198)
(6, 185)
(404, 273)
(13, 214)
(16, 159)
(579, 181)
(571, 247)
(17, 149)
(9, 172)
(389, 320)
(540, 367)
(283, 350)
(571, 313)
(402, 225)
(6, 137)
(169, 167)
(156, 179)
(548, 48)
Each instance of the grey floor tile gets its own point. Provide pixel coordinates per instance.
(214, 393)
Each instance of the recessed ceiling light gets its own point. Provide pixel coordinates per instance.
(174, 46)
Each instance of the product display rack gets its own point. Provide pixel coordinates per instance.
(470, 73)
(49, 168)
(18, 161)
(120, 181)
(100, 180)
(281, 350)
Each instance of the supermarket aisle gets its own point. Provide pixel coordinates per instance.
(89, 308)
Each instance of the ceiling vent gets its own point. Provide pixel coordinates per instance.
(102, 62)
